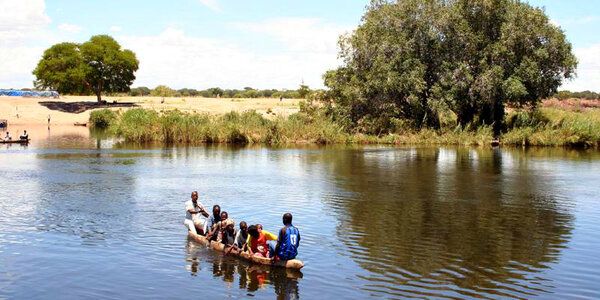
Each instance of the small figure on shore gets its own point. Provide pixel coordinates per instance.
(193, 211)
(48, 120)
(8, 137)
(24, 136)
(280, 98)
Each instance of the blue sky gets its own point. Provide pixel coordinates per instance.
(231, 44)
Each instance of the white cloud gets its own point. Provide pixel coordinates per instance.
(21, 20)
(588, 71)
(115, 28)
(212, 4)
(70, 28)
(179, 60)
(300, 34)
(588, 20)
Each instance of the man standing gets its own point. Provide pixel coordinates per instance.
(193, 210)
(289, 239)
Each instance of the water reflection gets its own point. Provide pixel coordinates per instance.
(239, 274)
(451, 222)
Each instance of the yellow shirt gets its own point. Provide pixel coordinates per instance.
(268, 236)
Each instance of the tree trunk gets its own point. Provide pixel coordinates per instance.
(98, 91)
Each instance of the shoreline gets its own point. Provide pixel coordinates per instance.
(29, 111)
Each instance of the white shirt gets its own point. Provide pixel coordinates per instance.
(190, 205)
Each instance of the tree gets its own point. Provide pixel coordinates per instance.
(96, 66)
(411, 58)
(303, 91)
(163, 91)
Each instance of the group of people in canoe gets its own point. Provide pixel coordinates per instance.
(23, 137)
(219, 227)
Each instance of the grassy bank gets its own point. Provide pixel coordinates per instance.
(547, 127)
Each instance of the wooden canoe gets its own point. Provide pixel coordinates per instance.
(80, 124)
(15, 141)
(289, 264)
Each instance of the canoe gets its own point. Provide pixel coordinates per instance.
(15, 141)
(80, 124)
(289, 264)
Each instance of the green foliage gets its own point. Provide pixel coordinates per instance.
(163, 91)
(96, 66)
(140, 91)
(303, 91)
(102, 118)
(410, 59)
(587, 95)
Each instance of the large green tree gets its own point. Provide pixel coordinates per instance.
(411, 58)
(96, 66)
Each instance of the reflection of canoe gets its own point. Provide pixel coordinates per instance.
(80, 124)
(15, 141)
(290, 264)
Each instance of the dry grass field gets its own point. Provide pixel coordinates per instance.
(22, 111)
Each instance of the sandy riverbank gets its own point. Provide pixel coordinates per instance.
(24, 111)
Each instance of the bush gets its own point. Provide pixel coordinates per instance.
(102, 118)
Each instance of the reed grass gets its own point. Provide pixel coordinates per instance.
(544, 127)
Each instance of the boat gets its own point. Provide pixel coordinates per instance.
(80, 124)
(294, 264)
(15, 141)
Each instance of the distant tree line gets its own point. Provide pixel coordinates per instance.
(164, 91)
(587, 95)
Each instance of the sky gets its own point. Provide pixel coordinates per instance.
(231, 43)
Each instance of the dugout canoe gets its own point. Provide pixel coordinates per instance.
(15, 141)
(294, 264)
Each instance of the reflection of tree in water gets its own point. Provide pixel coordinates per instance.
(455, 222)
(250, 277)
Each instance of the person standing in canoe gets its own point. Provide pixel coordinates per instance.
(257, 242)
(193, 211)
(288, 241)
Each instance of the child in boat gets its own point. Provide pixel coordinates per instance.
(228, 234)
(242, 236)
(219, 227)
(257, 241)
(210, 223)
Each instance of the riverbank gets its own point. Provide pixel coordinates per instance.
(545, 127)
(33, 111)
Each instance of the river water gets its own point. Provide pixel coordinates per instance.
(84, 216)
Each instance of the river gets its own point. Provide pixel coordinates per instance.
(82, 215)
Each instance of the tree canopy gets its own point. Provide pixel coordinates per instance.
(411, 59)
(96, 66)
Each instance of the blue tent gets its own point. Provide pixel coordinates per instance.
(19, 93)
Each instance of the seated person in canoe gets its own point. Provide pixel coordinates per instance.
(288, 241)
(210, 225)
(257, 242)
(25, 136)
(228, 234)
(193, 212)
(239, 241)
